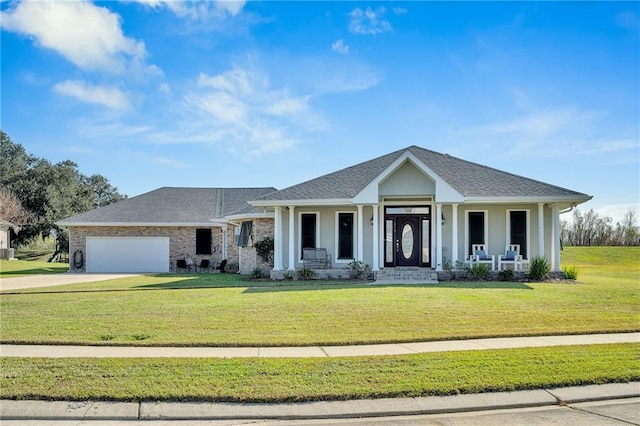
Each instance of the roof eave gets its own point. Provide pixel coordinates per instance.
(217, 222)
(261, 215)
(302, 203)
(570, 199)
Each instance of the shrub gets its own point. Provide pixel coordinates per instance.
(232, 268)
(539, 269)
(359, 270)
(288, 275)
(479, 271)
(305, 274)
(264, 249)
(258, 273)
(570, 272)
(507, 275)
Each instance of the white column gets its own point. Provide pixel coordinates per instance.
(360, 255)
(376, 240)
(292, 242)
(224, 242)
(454, 234)
(438, 237)
(277, 240)
(555, 238)
(540, 229)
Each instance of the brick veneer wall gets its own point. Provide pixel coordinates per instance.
(249, 259)
(182, 241)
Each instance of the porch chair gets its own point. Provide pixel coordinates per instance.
(479, 255)
(205, 264)
(511, 256)
(181, 264)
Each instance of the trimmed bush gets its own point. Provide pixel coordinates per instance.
(480, 271)
(305, 274)
(570, 272)
(359, 270)
(539, 269)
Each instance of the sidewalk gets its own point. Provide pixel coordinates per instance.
(104, 410)
(63, 351)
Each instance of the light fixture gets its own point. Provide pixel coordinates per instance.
(442, 219)
(371, 220)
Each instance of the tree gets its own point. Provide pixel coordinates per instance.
(11, 209)
(590, 229)
(49, 192)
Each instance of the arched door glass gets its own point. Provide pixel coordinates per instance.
(407, 241)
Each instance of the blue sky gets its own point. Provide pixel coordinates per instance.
(166, 93)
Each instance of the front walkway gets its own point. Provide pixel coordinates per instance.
(63, 351)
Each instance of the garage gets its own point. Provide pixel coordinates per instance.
(127, 254)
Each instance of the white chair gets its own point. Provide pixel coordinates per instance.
(479, 255)
(511, 256)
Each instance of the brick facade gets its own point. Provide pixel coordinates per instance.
(182, 241)
(249, 260)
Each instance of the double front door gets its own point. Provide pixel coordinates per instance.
(407, 236)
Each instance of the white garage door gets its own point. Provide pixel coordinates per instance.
(127, 254)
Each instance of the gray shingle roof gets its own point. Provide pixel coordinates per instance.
(471, 180)
(173, 205)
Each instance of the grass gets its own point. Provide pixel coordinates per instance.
(228, 311)
(312, 379)
(19, 268)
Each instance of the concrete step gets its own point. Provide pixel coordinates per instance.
(407, 275)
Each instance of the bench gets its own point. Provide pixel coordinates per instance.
(316, 258)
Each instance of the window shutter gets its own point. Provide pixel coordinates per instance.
(245, 233)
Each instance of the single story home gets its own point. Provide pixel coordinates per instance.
(412, 209)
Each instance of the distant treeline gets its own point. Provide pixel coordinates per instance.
(589, 229)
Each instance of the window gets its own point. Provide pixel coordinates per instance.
(203, 241)
(476, 229)
(245, 233)
(308, 231)
(345, 235)
(518, 230)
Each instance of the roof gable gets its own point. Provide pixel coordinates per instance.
(456, 180)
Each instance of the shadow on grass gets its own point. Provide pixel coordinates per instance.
(35, 271)
(340, 285)
(184, 281)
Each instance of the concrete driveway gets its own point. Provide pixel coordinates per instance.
(47, 280)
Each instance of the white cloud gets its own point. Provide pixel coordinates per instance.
(340, 47)
(165, 89)
(169, 162)
(240, 108)
(89, 36)
(198, 10)
(107, 96)
(368, 22)
(542, 123)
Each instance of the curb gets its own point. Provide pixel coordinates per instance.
(106, 410)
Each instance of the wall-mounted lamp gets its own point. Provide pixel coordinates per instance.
(371, 220)
(442, 219)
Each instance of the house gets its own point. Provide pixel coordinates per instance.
(6, 252)
(413, 208)
(150, 232)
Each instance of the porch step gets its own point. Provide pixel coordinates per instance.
(406, 276)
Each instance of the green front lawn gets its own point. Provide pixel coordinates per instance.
(225, 310)
(276, 380)
(19, 268)
(300, 313)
